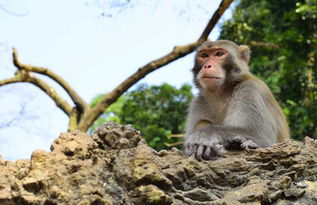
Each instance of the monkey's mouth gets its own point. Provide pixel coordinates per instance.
(211, 77)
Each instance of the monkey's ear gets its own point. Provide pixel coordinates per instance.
(245, 52)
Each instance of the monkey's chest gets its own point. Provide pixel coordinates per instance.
(216, 113)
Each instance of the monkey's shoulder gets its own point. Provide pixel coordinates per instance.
(253, 85)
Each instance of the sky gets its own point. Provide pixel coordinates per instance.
(94, 45)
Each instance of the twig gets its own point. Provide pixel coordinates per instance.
(24, 76)
(263, 44)
(172, 144)
(177, 135)
(78, 101)
(214, 19)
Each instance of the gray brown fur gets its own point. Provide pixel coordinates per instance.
(243, 114)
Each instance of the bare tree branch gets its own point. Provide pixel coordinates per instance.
(173, 144)
(214, 19)
(79, 102)
(178, 52)
(111, 97)
(24, 76)
(263, 44)
(15, 79)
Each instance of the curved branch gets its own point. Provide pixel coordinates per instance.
(214, 19)
(15, 79)
(78, 101)
(178, 52)
(60, 102)
(111, 97)
(23, 76)
(263, 44)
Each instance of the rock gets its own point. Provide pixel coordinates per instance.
(294, 193)
(200, 195)
(145, 172)
(116, 166)
(251, 193)
(284, 182)
(150, 194)
(225, 202)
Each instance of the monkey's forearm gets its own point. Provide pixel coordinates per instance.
(202, 124)
(229, 132)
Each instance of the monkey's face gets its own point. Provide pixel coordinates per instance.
(211, 74)
(218, 63)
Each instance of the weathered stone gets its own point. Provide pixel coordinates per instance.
(275, 196)
(294, 193)
(32, 184)
(278, 151)
(75, 144)
(145, 172)
(250, 193)
(200, 195)
(150, 194)
(252, 203)
(225, 202)
(115, 166)
(285, 182)
(311, 188)
(2, 161)
(117, 136)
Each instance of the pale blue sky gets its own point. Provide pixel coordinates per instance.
(93, 53)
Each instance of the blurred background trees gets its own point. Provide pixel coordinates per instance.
(159, 112)
(283, 38)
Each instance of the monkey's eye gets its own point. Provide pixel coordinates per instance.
(204, 55)
(219, 53)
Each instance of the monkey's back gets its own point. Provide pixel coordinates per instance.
(275, 109)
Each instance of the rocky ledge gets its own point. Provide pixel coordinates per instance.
(115, 166)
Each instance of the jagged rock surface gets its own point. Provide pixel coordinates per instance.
(115, 166)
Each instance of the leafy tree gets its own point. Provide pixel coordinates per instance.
(283, 36)
(159, 112)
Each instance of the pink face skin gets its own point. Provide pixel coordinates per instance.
(211, 76)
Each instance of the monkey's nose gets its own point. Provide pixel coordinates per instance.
(207, 66)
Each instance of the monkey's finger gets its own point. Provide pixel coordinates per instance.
(207, 153)
(188, 145)
(194, 150)
(220, 150)
(249, 144)
(200, 151)
(187, 151)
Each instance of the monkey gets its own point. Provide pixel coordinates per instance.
(233, 109)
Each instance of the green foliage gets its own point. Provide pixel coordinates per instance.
(288, 63)
(158, 112)
(110, 114)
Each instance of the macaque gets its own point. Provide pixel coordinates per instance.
(234, 109)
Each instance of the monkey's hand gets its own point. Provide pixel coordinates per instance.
(203, 146)
(241, 143)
